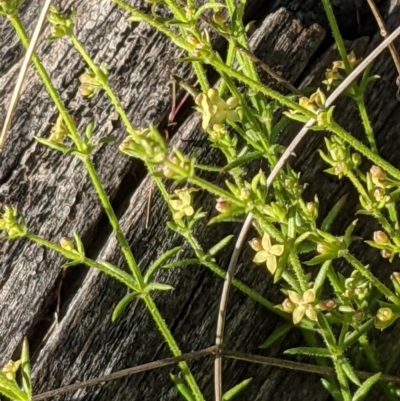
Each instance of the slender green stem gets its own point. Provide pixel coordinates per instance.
(336, 34)
(16, 23)
(369, 133)
(369, 276)
(342, 133)
(173, 346)
(117, 273)
(126, 250)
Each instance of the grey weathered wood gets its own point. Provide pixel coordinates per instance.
(54, 194)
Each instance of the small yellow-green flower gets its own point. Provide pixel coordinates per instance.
(384, 318)
(10, 369)
(304, 305)
(216, 110)
(266, 252)
(182, 203)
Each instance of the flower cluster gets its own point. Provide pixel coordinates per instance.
(61, 25)
(12, 224)
(339, 157)
(91, 82)
(266, 252)
(333, 76)
(181, 203)
(300, 305)
(216, 110)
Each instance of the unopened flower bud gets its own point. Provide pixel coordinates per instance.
(256, 244)
(379, 194)
(384, 314)
(219, 18)
(322, 249)
(192, 40)
(378, 176)
(223, 206)
(311, 207)
(245, 193)
(327, 305)
(356, 159)
(386, 254)
(288, 306)
(66, 244)
(380, 238)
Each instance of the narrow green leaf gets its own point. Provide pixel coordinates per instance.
(158, 287)
(310, 351)
(89, 129)
(159, 262)
(228, 217)
(107, 139)
(236, 390)
(242, 160)
(332, 389)
(79, 245)
(317, 260)
(331, 216)
(54, 145)
(70, 264)
(10, 389)
(182, 388)
(357, 333)
(189, 59)
(349, 371)
(116, 272)
(182, 263)
(330, 338)
(321, 276)
(220, 245)
(26, 368)
(125, 301)
(204, 7)
(276, 335)
(364, 389)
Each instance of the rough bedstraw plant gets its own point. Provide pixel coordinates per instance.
(241, 107)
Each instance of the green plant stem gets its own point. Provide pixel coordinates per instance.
(117, 273)
(16, 23)
(368, 153)
(369, 276)
(126, 250)
(173, 346)
(336, 34)
(369, 133)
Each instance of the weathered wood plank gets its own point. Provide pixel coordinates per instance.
(56, 198)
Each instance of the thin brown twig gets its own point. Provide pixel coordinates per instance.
(277, 168)
(127, 372)
(22, 73)
(240, 356)
(384, 33)
(299, 366)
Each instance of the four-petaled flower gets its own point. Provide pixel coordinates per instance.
(181, 202)
(216, 110)
(266, 252)
(304, 305)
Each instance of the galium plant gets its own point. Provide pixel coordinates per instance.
(335, 310)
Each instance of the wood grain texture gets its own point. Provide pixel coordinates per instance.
(54, 194)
